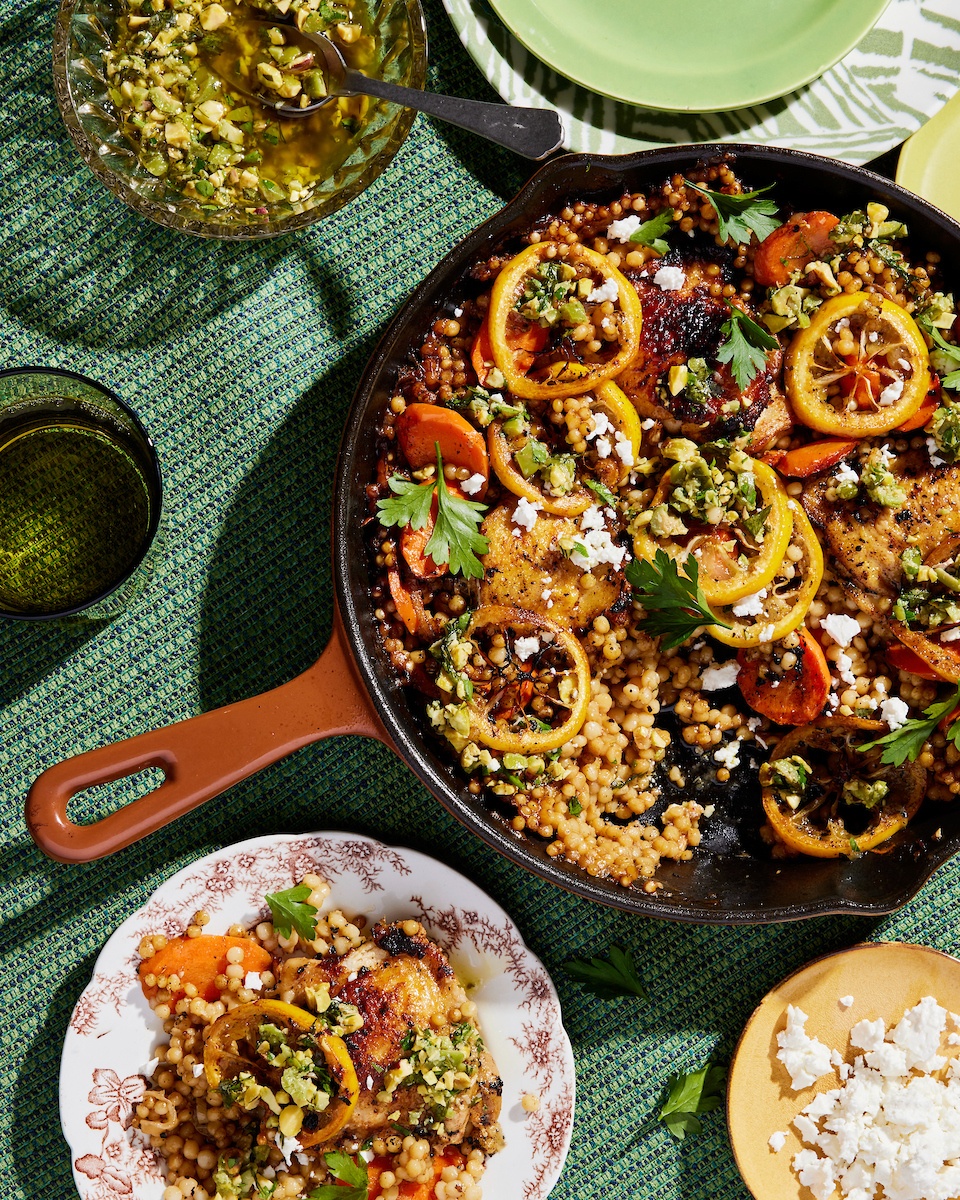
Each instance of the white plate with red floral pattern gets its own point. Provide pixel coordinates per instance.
(113, 1033)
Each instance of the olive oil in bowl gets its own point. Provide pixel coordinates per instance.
(79, 502)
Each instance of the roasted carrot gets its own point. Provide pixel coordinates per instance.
(481, 354)
(526, 344)
(423, 1190)
(926, 410)
(905, 659)
(794, 697)
(199, 961)
(407, 604)
(801, 240)
(814, 457)
(422, 427)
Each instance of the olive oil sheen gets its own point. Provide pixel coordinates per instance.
(75, 511)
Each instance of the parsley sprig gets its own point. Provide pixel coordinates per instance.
(290, 912)
(649, 233)
(676, 606)
(746, 346)
(740, 216)
(905, 743)
(687, 1095)
(615, 975)
(456, 537)
(348, 1171)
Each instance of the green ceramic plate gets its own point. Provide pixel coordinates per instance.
(930, 161)
(690, 55)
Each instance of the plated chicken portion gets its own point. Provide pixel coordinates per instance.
(415, 1024)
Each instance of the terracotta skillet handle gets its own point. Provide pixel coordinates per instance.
(200, 757)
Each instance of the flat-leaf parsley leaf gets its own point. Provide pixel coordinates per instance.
(291, 912)
(676, 606)
(344, 1168)
(746, 346)
(740, 216)
(688, 1095)
(649, 233)
(456, 538)
(907, 741)
(615, 975)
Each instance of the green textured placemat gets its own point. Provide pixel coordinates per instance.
(242, 361)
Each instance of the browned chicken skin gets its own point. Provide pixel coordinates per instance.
(399, 982)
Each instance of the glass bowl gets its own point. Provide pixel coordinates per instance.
(85, 28)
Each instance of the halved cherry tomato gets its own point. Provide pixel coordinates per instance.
(408, 604)
(788, 595)
(824, 823)
(413, 547)
(904, 659)
(814, 457)
(569, 504)
(231, 1047)
(723, 578)
(562, 686)
(199, 961)
(795, 697)
(505, 323)
(801, 240)
(889, 359)
(422, 427)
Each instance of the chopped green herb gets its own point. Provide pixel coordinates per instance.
(348, 1171)
(688, 1095)
(738, 217)
(615, 975)
(746, 346)
(905, 743)
(649, 233)
(456, 538)
(756, 523)
(603, 492)
(291, 912)
(676, 606)
(574, 807)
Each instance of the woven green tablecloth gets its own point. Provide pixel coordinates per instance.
(242, 360)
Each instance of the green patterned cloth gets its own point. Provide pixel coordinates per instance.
(242, 360)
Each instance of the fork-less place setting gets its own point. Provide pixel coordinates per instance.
(616, 511)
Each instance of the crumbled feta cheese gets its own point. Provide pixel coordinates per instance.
(841, 628)
(623, 230)
(603, 447)
(846, 474)
(750, 606)
(777, 1141)
(894, 711)
(600, 548)
(934, 451)
(601, 425)
(623, 448)
(473, 485)
(367, 1155)
(546, 593)
(648, 423)
(607, 290)
(526, 647)
(833, 700)
(525, 513)
(767, 632)
(714, 679)
(804, 1057)
(670, 279)
(844, 665)
(148, 1068)
(252, 981)
(592, 518)
(728, 755)
(197, 1070)
(288, 1147)
(891, 393)
(816, 1173)
(845, 1002)
(868, 1035)
(950, 635)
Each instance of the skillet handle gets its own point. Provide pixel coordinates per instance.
(200, 757)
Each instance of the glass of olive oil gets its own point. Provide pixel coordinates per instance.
(80, 497)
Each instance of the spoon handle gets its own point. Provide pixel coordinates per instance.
(532, 132)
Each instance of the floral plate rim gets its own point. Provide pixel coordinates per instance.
(112, 1032)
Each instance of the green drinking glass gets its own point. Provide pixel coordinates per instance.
(80, 498)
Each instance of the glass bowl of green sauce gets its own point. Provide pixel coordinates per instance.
(145, 88)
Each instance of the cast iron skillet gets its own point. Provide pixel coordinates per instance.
(353, 689)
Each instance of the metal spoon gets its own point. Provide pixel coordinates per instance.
(532, 132)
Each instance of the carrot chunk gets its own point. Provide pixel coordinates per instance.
(422, 427)
(814, 457)
(801, 240)
(199, 961)
(797, 696)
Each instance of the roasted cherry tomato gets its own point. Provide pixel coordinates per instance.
(797, 242)
(718, 548)
(788, 597)
(506, 323)
(792, 697)
(527, 703)
(231, 1048)
(842, 800)
(859, 369)
(422, 427)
